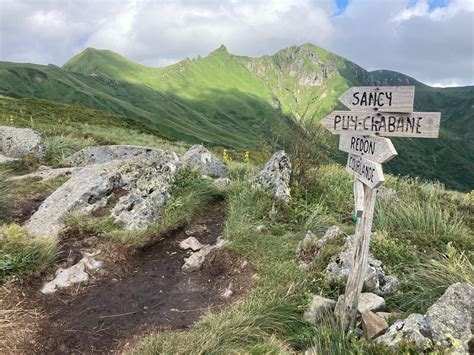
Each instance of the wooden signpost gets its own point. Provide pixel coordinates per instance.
(375, 112)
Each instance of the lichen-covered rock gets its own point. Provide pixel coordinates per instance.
(21, 142)
(309, 249)
(106, 153)
(319, 308)
(201, 159)
(412, 330)
(275, 176)
(375, 278)
(149, 185)
(86, 191)
(450, 317)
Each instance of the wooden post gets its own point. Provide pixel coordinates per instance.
(347, 311)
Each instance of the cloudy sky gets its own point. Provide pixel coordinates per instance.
(431, 40)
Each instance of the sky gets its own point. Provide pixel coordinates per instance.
(430, 40)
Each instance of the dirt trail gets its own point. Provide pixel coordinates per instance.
(145, 291)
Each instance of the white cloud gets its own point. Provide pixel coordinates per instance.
(432, 45)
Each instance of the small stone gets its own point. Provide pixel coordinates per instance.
(370, 302)
(222, 183)
(373, 325)
(260, 228)
(191, 243)
(319, 308)
(195, 260)
(74, 274)
(196, 229)
(228, 291)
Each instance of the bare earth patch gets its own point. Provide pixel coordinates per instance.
(138, 291)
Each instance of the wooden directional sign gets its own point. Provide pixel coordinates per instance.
(376, 149)
(375, 111)
(368, 172)
(381, 98)
(414, 124)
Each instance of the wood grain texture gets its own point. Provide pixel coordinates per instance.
(366, 171)
(414, 124)
(379, 98)
(347, 311)
(376, 149)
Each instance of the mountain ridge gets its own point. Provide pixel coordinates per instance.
(238, 101)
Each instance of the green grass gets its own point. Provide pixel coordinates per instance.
(5, 195)
(21, 255)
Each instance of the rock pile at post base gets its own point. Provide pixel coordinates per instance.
(375, 278)
(311, 248)
(275, 176)
(21, 142)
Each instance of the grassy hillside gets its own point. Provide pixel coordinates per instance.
(245, 122)
(237, 101)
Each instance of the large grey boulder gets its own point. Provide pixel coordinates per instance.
(147, 182)
(21, 142)
(149, 186)
(451, 316)
(87, 190)
(375, 278)
(106, 153)
(413, 330)
(201, 159)
(275, 176)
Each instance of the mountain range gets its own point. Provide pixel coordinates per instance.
(238, 102)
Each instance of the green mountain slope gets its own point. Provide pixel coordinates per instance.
(236, 101)
(217, 116)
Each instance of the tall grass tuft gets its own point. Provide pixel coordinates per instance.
(22, 255)
(425, 222)
(5, 196)
(427, 280)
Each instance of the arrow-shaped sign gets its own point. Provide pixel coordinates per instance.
(368, 172)
(380, 98)
(414, 124)
(376, 149)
